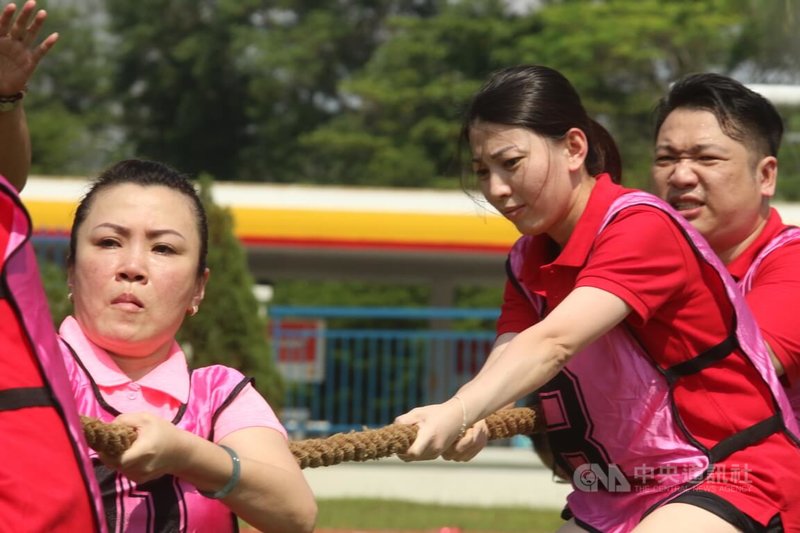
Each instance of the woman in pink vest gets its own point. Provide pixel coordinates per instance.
(659, 399)
(209, 447)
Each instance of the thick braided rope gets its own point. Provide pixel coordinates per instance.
(113, 439)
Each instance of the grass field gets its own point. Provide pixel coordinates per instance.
(365, 515)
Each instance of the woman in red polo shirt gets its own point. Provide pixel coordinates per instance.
(656, 386)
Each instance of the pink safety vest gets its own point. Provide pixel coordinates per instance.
(622, 468)
(166, 504)
(786, 236)
(21, 286)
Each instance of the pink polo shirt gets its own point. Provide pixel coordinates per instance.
(162, 390)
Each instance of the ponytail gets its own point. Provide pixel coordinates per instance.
(603, 153)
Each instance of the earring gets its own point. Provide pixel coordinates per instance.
(193, 310)
(69, 296)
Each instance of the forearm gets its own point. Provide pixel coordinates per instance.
(496, 354)
(527, 362)
(497, 351)
(283, 505)
(272, 497)
(15, 147)
(536, 355)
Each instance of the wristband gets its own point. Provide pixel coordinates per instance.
(232, 482)
(8, 103)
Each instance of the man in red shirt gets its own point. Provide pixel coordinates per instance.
(716, 148)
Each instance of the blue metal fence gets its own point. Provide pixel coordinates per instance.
(347, 368)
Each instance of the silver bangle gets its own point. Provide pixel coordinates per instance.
(232, 482)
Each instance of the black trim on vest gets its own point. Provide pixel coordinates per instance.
(706, 359)
(3, 286)
(513, 277)
(234, 393)
(743, 438)
(22, 397)
(746, 437)
(95, 389)
(579, 522)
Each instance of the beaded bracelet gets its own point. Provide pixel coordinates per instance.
(463, 417)
(232, 482)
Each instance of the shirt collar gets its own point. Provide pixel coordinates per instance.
(580, 242)
(170, 377)
(738, 267)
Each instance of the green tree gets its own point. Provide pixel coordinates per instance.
(227, 86)
(228, 329)
(296, 56)
(177, 80)
(401, 118)
(789, 156)
(69, 103)
(768, 49)
(620, 55)
(364, 92)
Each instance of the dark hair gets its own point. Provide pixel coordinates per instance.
(144, 173)
(544, 101)
(743, 114)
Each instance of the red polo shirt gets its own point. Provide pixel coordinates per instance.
(679, 309)
(775, 293)
(644, 259)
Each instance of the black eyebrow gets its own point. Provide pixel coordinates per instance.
(496, 153)
(151, 234)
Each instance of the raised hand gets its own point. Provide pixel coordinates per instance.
(19, 53)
